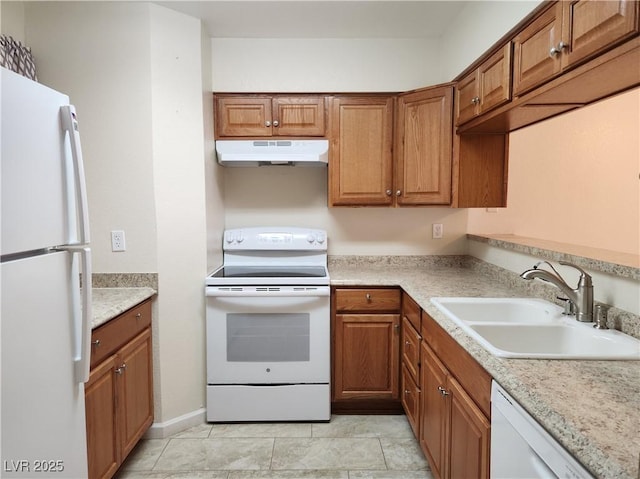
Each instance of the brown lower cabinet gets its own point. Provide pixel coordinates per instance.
(454, 424)
(365, 350)
(119, 393)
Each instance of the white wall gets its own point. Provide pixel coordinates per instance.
(324, 65)
(214, 184)
(476, 28)
(178, 146)
(98, 53)
(12, 20)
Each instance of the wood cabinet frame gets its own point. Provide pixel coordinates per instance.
(365, 325)
(119, 393)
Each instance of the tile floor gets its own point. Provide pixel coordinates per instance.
(347, 447)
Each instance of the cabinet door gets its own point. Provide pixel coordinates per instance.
(410, 347)
(494, 80)
(594, 26)
(469, 435)
(103, 451)
(410, 400)
(424, 147)
(533, 62)
(360, 160)
(434, 413)
(240, 116)
(298, 116)
(135, 390)
(467, 98)
(366, 356)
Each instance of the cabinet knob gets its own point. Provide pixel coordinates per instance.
(368, 297)
(398, 192)
(558, 49)
(407, 392)
(407, 343)
(267, 123)
(121, 369)
(276, 123)
(475, 100)
(139, 315)
(96, 343)
(388, 192)
(443, 391)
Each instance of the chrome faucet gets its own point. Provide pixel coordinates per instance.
(581, 296)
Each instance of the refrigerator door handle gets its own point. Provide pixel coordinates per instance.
(70, 125)
(82, 322)
(83, 333)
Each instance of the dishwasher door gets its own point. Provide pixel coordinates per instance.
(521, 448)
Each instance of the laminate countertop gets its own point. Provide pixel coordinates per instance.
(107, 303)
(591, 407)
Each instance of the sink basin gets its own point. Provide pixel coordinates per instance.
(535, 329)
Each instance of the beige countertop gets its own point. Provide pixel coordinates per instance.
(108, 303)
(590, 407)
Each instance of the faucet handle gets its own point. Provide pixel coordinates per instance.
(569, 307)
(583, 274)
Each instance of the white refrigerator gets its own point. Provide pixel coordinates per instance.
(45, 314)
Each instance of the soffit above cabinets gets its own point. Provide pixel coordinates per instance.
(322, 19)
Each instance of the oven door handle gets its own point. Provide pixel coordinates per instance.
(260, 292)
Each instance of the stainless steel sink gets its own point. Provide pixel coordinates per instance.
(534, 328)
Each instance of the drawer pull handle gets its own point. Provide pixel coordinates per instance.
(443, 391)
(368, 297)
(96, 343)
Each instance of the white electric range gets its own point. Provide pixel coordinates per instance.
(268, 327)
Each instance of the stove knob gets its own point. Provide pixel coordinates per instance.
(239, 237)
(228, 237)
(320, 237)
(310, 238)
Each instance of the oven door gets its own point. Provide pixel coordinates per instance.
(268, 335)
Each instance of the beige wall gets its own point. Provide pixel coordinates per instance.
(133, 70)
(178, 175)
(109, 81)
(299, 197)
(574, 179)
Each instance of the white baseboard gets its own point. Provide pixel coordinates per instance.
(160, 430)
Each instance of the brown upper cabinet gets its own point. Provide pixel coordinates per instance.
(269, 115)
(423, 147)
(568, 33)
(486, 87)
(373, 164)
(360, 152)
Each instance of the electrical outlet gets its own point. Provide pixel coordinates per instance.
(437, 230)
(117, 241)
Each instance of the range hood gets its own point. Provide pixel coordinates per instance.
(272, 152)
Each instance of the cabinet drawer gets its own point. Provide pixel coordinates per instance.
(106, 339)
(367, 300)
(411, 311)
(411, 400)
(410, 348)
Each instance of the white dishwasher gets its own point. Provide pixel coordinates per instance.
(521, 448)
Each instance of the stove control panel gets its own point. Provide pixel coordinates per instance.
(275, 238)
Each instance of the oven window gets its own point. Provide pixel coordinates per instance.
(260, 337)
